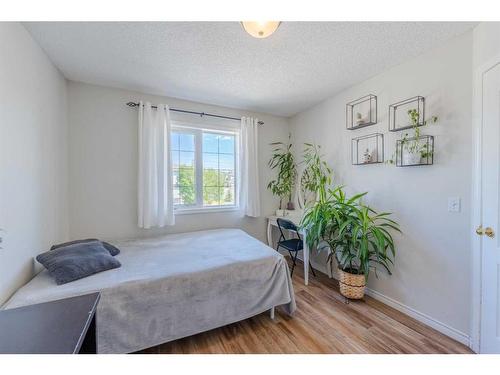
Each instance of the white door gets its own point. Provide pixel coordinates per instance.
(490, 238)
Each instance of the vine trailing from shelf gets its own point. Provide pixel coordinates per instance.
(411, 144)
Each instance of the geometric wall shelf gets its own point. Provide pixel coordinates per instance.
(415, 151)
(398, 113)
(361, 112)
(368, 149)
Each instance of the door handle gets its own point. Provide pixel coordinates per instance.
(488, 231)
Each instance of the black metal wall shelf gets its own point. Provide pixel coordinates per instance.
(361, 112)
(398, 113)
(416, 151)
(368, 149)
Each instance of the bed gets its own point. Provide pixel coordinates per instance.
(175, 286)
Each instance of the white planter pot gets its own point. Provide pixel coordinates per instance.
(410, 158)
(280, 213)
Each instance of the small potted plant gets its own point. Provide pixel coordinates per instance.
(282, 187)
(357, 238)
(413, 150)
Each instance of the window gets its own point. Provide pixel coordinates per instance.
(204, 168)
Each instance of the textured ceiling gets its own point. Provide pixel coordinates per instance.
(218, 63)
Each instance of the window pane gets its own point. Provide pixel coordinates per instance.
(175, 159)
(210, 161)
(174, 140)
(210, 177)
(218, 169)
(186, 176)
(186, 159)
(187, 195)
(177, 198)
(210, 142)
(186, 142)
(226, 144)
(226, 161)
(227, 195)
(226, 177)
(211, 196)
(184, 183)
(183, 162)
(184, 195)
(175, 176)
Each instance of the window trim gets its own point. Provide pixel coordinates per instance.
(205, 210)
(198, 131)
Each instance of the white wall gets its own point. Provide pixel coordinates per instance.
(432, 273)
(486, 42)
(33, 155)
(103, 165)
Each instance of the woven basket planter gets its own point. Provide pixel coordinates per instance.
(352, 286)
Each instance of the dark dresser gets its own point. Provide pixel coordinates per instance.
(65, 326)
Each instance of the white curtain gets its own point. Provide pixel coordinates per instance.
(156, 208)
(249, 162)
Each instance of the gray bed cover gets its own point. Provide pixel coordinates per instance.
(175, 286)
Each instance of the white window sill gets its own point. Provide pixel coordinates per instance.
(205, 210)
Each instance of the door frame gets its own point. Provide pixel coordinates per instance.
(476, 241)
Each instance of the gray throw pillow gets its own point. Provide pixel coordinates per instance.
(112, 249)
(77, 261)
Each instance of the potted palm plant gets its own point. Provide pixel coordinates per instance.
(357, 238)
(282, 159)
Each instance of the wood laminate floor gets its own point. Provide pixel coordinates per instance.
(323, 323)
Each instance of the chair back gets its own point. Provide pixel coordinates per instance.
(287, 225)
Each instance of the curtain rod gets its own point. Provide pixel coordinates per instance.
(201, 114)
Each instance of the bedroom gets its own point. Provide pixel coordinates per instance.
(226, 176)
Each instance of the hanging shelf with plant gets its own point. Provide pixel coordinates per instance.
(415, 149)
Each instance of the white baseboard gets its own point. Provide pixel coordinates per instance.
(451, 332)
(421, 317)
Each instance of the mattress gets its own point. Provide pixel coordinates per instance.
(175, 286)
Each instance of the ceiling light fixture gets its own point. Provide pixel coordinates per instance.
(260, 29)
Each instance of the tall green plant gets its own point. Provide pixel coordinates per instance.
(317, 175)
(283, 160)
(355, 236)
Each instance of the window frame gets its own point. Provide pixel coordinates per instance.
(198, 131)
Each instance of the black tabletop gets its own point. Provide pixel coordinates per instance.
(52, 327)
